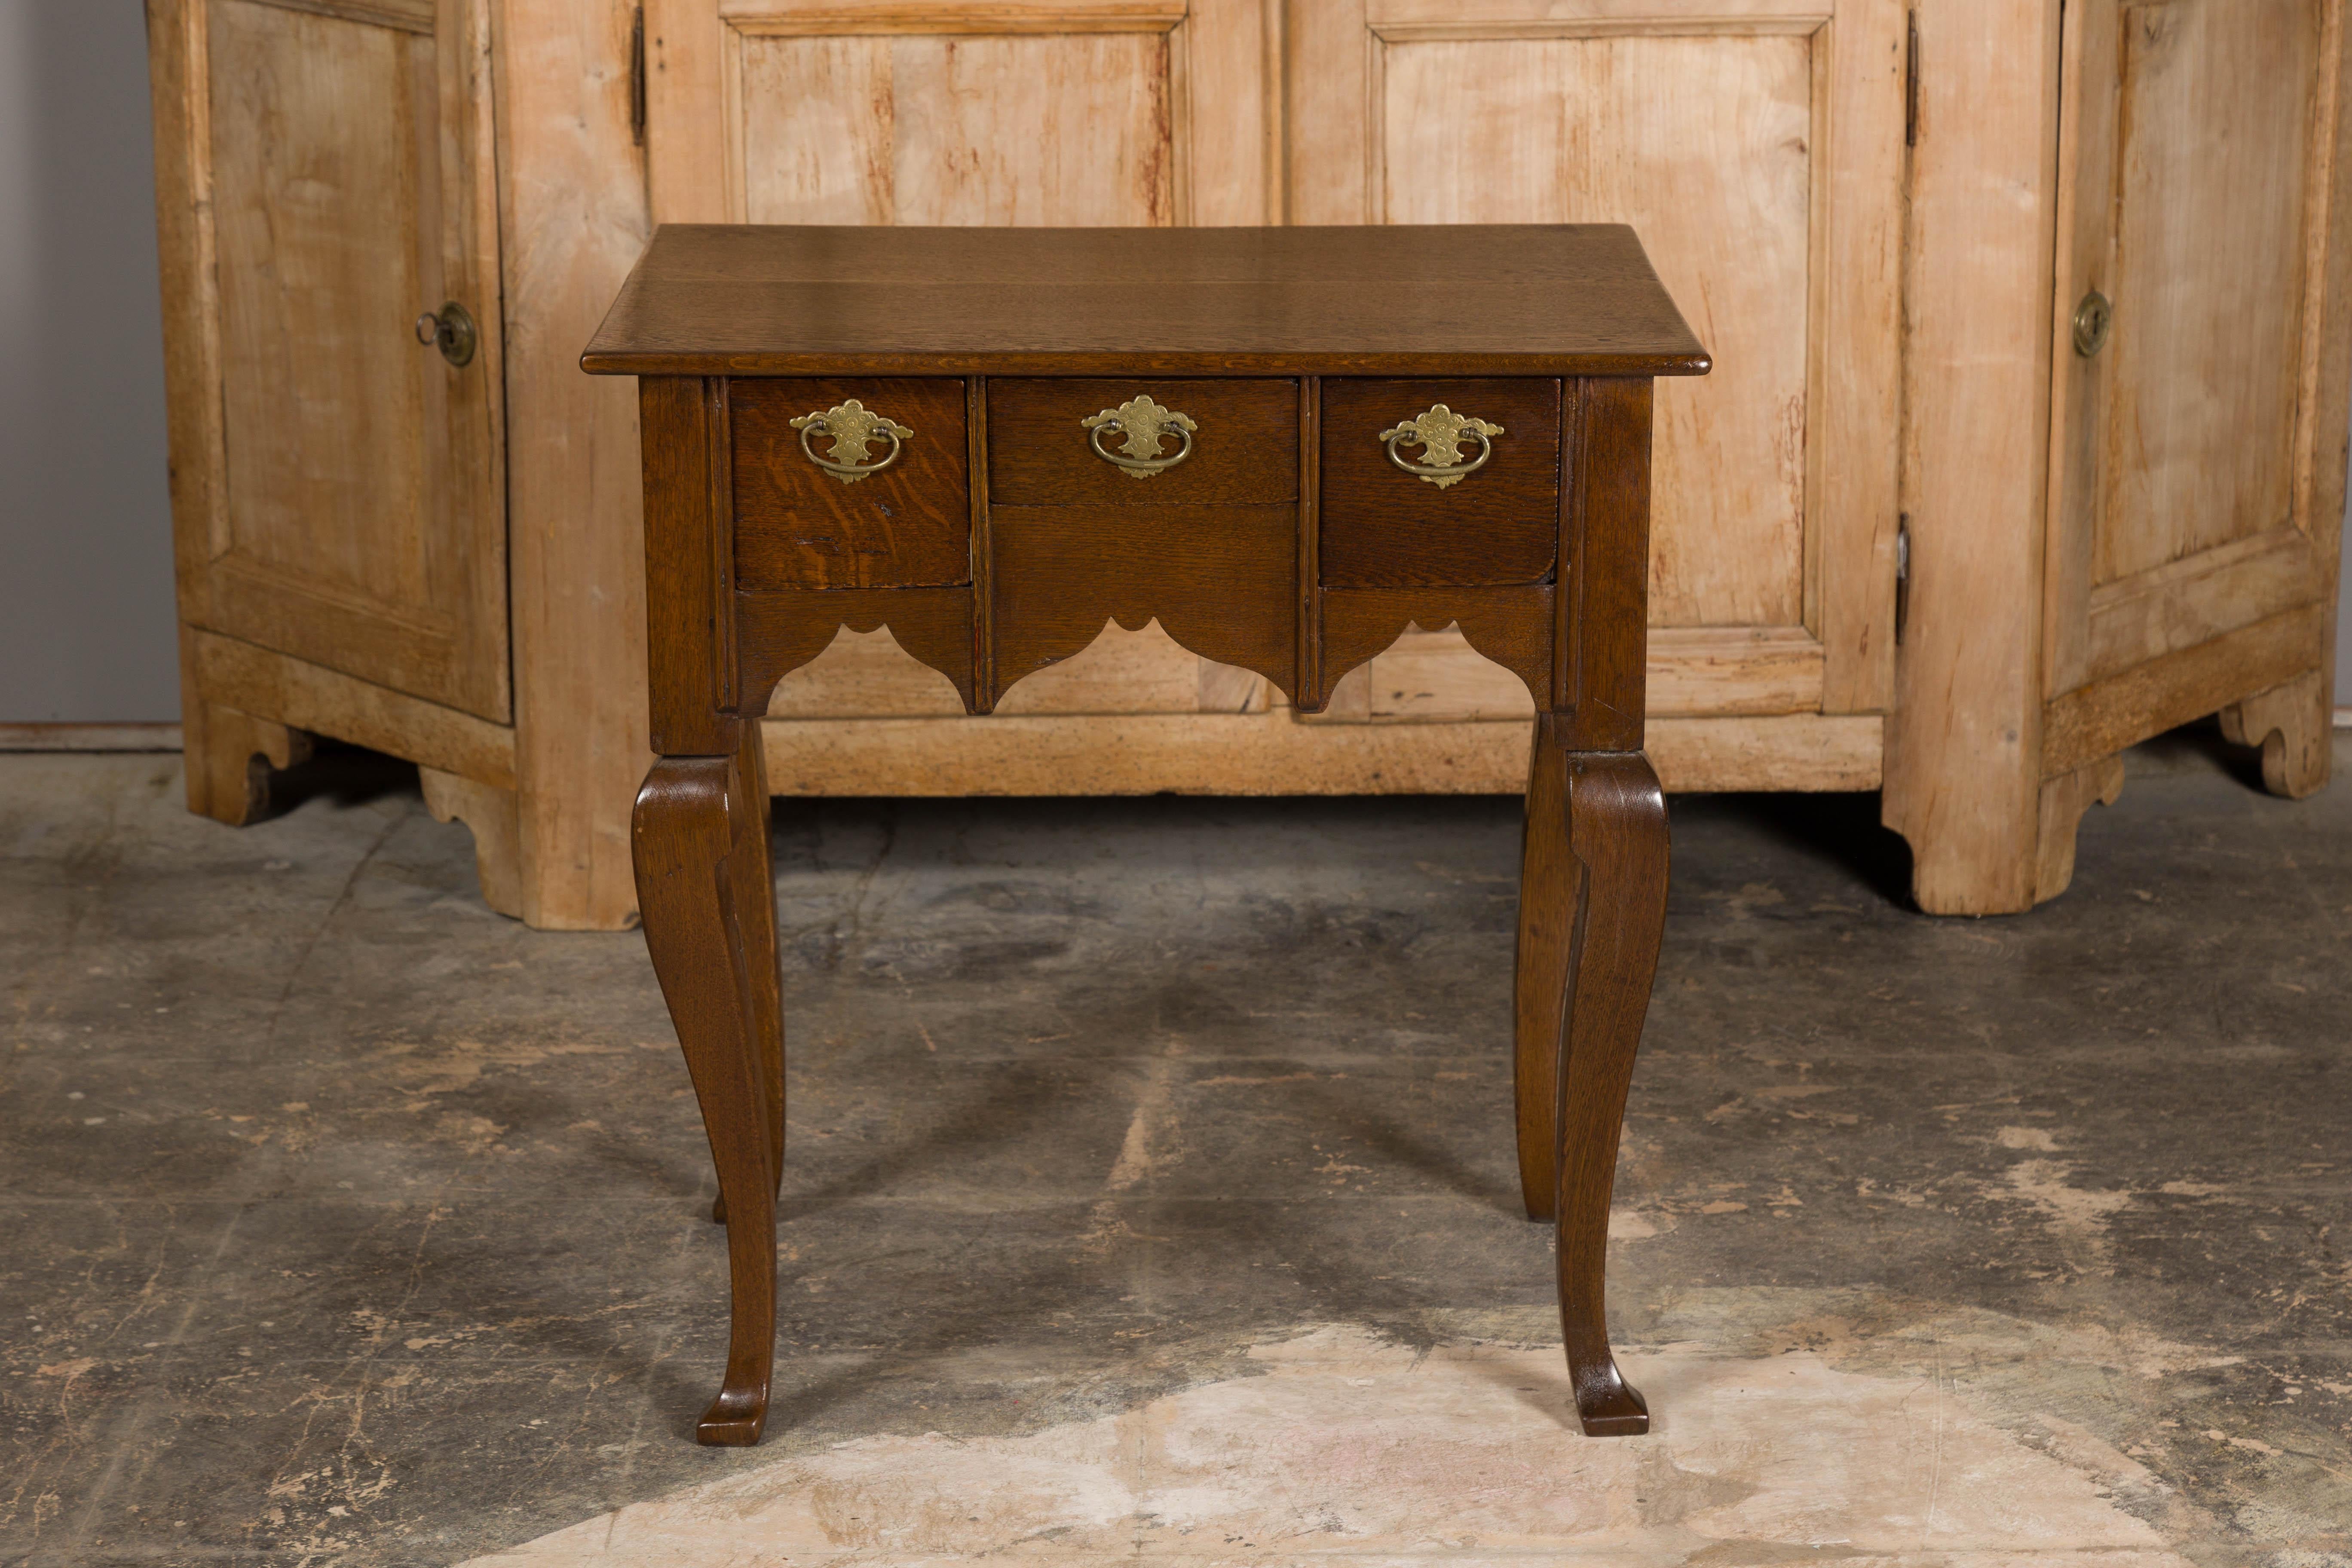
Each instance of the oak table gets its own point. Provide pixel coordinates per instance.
(1288, 445)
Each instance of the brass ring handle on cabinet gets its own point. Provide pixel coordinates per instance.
(1439, 433)
(450, 329)
(1143, 423)
(854, 427)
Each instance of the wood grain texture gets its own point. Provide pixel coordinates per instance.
(2213, 103)
(229, 756)
(2096, 720)
(2196, 599)
(2293, 724)
(1964, 749)
(1274, 753)
(489, 814)
(700, 836)
(1605, 552)
(868, 675)
(1612, 824)
(328, 702)
(345, 182)
(1243, 454)
(1381, 527)
(1534, 300)
(1217, 578)
(781, 631)
(1022, 129)
(1512, 626)
(797, 526)
(2195, 192)
(1703, 144)
(574, 217)
(690, 653)
(2065, 800)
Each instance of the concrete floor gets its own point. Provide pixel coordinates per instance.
(1151, 1196)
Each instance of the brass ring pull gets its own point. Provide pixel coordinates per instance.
(1439, 433)
(1143, 422)
(853, 427)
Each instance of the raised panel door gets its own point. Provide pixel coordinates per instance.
(348, 477)
(2197, 161)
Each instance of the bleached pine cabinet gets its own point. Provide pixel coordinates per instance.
(2026, 437)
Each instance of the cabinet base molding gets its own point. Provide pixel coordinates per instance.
(1273, 754)
(289, 691)
(2103, 718)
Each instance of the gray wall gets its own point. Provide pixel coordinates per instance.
(87, 627)
(86, 615)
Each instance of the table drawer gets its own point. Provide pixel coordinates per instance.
(1048, 442)
(894, 511)
(1497, 520)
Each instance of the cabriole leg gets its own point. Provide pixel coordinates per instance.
(701, 840)
(1616, 832)
(1548, 878)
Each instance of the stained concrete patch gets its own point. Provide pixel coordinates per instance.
(1346, 1448)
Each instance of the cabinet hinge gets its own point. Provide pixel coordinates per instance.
(1911, 81)
(1902, 574)
(637, 77)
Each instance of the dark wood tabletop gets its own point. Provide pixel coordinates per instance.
(1491, 299)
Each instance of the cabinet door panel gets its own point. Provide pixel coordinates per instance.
(1757, 150)
(2195, 171)
(2213, 110)
(351, 484)
(1012, 131)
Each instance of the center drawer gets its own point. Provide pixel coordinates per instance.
(1120, 442)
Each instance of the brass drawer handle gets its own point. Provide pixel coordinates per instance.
(1143, 422)
(853, 427)
(1439, 434)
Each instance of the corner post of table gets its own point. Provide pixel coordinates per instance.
(1594, 877)
(699, 840)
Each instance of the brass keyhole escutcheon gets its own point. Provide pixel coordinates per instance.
(2093, 316)
(451, 330)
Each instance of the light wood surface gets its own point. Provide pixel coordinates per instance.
(1025, 129)
(2212, 101)
(2291, 723)
(2197, 469)
(2099, 720)
(1275, 753)
(310, 697)
(489, 814)
(575, 220)
(2065, 800)
(338, 170)
(1963, 745)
